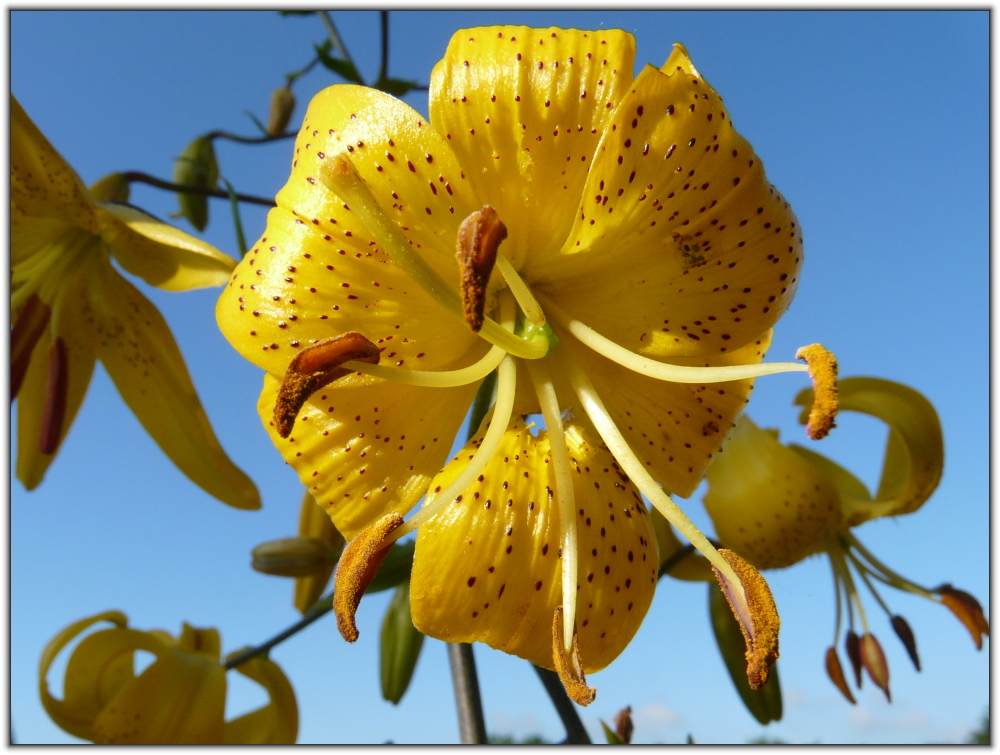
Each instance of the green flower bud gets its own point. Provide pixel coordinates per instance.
(114, 187)
(196, 166)
(401, 644)
(282, 107)
(293, 557)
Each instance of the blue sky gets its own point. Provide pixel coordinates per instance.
(874, 125)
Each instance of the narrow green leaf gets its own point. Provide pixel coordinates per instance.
(395, 87)
(613, 739)
(234, 204)
(340, 67)
(395, 569)
(401, 644)
(764, 704)
(256, 121)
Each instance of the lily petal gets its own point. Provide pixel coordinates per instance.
(705, 253)
(160, 254)
(365, 447)
(528, 107)
(140, 354)
(277, 723)
(488, 567)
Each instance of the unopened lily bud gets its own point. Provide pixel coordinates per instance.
(401, 644)
(873, 659)
(852, 644)
(905, 634)
(836, 673)
(196, 166)
(293, 557)
(282, 107)
(968, 611)
(623, 724)
(114, 187)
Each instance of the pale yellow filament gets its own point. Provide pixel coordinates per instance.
(429, 379)
(529, 304)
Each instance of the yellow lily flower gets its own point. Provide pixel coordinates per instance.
(777, 504)
(70, 307)
(611, 207)
(179, 699)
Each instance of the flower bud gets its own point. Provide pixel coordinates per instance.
(905, 634)
(282, 107)
(113, 187)
(623, 724)
(401, 644)
(196, 166)
(873, 659)
(293, 556)
(836, 673)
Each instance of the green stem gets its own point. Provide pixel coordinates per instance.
(309, 618)
(331, 29)
(250, 139)
(237, 223)
(133, 176)
(576, 734)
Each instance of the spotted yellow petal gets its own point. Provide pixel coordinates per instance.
(277, 723)
(768, 503)
(675, 429)
(136, 347)
(914, 454)
(487, 567)
(364, 447)
(524, 109)
(42, 184)
(680, 245)
(160, 254)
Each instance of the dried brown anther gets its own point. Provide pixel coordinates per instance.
(852, 644)
(314, 367)
(905, 634)
(755, 611)
(823, 371)
(479, 238)
(968, 611)
(30, 325)
(873, 659)
(836, 673)
(56, 391)
(359, 563)
(570, 670)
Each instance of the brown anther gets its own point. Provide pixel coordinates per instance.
(836, 673)
(905, 634)
(823, 371)
(852, 644)
(873, 659)
(30, 325)
(359, 563)
(755, 611)
(570, 670)
(623, 724)
(479, 238)
(56, 390)
(314, 367)
(968, 611)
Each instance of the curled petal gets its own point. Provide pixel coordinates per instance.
(277, 723)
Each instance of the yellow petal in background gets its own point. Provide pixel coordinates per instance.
(364, 447)
(137, 349)
(160, 254)
(315, 522)
(914, 455)
(488, 567)
(276, 723)
(42, 184)
(524, 110)
(768, 503)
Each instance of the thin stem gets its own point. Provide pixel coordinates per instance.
(331, 29)
(837, 600)
(890, 577)
(250, 139)
(471, 724)
(384, 69)
(133, 176)
(298, 626)
(864, 578)
(576, 734)
(234, 205)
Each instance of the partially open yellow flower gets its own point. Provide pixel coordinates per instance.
(69, 307)
(778, 504)
(178, 699)
(608, 245)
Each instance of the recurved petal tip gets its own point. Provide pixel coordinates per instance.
(570, 669)
(754, 609)
(823, 371)
(358, 565)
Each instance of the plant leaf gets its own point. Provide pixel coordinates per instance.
(401, 644)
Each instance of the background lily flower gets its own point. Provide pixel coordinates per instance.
(778, 504)
(609, 206)
(178, 699)
(70, 307)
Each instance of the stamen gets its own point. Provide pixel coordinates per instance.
(314, 367)
(429, 379)
(757, 617)
(873, 659)
(836, 673)
(673, 373)
(570, 669)
(358, 565)
(479, 238)
(24, 336)
(56, 390)
(340, 177)
(823, 371)
(529, 304)
(902, 629)
(968, 611)
(565, 497)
